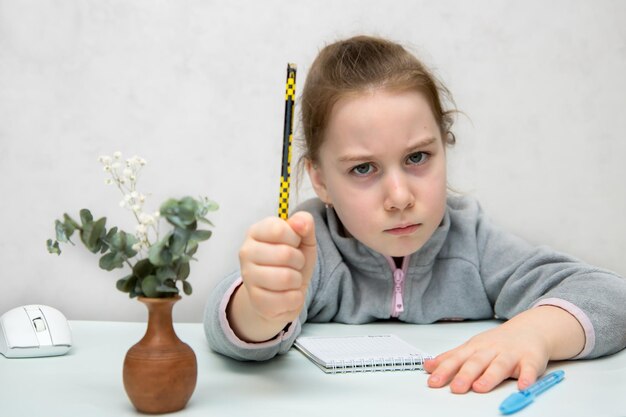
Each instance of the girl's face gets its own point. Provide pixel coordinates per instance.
(383, 167)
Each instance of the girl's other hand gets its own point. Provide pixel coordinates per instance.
(519, 348)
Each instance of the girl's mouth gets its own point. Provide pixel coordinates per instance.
(403, 230)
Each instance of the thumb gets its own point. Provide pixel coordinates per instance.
(302, 223)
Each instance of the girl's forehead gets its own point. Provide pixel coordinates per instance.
(378, 112)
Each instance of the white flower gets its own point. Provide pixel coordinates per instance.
(128, 173)
(136, 208)
(117, 155)
(107, 168)
(104, 159)
(134, 194)
(136, 247)
(146, 219)
(108, 181)
(141, 229)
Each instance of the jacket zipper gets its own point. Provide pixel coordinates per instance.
(399, 274)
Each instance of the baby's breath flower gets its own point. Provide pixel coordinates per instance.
(128, 172)
(104, 159)
(137, 247)
(136, 208)
(146, 219)
(117, 155)
(141, 229)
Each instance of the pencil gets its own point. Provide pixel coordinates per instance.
(285, 174)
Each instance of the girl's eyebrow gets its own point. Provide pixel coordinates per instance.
(366, 157)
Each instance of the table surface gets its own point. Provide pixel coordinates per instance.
(88, 380)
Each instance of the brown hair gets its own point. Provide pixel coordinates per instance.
(358, 64)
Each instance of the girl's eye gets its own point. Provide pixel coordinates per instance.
(418, 158)
(363, 169)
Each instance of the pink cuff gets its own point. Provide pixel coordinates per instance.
(230, 334)
(590, 334)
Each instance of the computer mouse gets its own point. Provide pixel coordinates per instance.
(33, 331)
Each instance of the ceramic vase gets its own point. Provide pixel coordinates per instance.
(160, 371)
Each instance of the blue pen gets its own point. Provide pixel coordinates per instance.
(521, 399)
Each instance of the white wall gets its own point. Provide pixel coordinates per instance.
(196, 88)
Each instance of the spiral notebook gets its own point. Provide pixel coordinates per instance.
(347, 354)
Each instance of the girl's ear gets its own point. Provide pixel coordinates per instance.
(317, 180)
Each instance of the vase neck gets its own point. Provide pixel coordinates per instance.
(159, 317)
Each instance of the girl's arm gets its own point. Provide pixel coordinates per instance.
(519, 348)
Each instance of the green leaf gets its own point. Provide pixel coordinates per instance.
(159, 255)
(201, 235)
(53, 247)
(168, 289)
(187, 287)
(127, 283)
(164, 274)
(130, 241)
(192, 247)
(178, 241)
(206, 221)
(112, 260)
(85, 217)
(149, 286)
(92, 233)
(118, 241)
(70, 222)
(60, 232)
(183, 271)
(143, 268)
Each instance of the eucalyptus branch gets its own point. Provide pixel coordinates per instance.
(160, 263)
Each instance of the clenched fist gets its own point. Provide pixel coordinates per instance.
(277, 260)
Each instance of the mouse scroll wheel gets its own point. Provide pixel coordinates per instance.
(39, 324)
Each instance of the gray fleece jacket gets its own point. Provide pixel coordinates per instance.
(469, 269)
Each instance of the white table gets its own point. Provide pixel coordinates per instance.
(88, 380)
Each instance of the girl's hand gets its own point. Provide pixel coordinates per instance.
(519, 348)
(277, 260)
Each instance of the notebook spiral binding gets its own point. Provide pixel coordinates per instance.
(414, 363)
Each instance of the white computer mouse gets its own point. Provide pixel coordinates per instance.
(33, 331)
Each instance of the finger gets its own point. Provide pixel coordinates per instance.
(471, 370)
(304, 225)
(528, 374)
(274, 230)
(447, 365)
(501, 367)
(270, 254)
(271, 278)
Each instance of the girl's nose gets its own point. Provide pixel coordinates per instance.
(398, 194)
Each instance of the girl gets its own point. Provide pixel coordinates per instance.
(385, 240)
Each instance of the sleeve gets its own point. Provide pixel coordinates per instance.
(518, 276)
(222, 338)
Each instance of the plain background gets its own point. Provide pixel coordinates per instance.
(197, 87)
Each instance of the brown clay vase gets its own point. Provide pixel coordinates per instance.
(160, 371)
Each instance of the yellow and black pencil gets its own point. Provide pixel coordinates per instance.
(285, 174)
